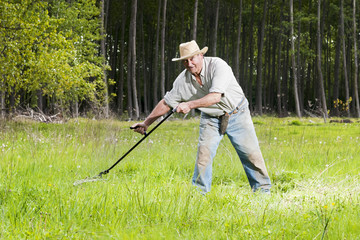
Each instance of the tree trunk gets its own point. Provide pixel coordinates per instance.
(293, 61)
(156, 60)
(284, 81)
(347, 94)
(272, 87)
(215, 31)
(300, 66)
(321, 78)
(356, 91)
(243, 65)
(133, 58)
(194, 35)
(40, 104)
(251, 55)
(130, 71)
(103, 54)
(335, 97)
(114, 55)
(163, 50)
(258, 106)
(120, 83)
(2, 99)
(237, 52)
(144, 64)
(279, 48)
(195, 20)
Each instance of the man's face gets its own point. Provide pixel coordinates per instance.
(194, 64)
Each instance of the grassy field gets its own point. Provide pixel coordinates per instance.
(314, 168)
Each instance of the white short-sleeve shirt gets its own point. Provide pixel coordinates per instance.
(216, 76)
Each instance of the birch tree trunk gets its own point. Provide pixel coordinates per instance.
(293, 61)
(321, 78)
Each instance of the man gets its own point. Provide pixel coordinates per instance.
(208, 84)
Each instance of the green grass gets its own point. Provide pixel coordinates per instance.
(314, 168)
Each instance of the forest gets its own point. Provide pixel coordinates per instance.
(111, 58)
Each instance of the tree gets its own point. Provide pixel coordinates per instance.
(133, 106)
(294, 67)
(237, 57)
(321, 78)
(49, 47)
(356, 91)
(163, 28)
(347, 94)
(259, 62)
(215, 32)
(248, 90)
(194, 29)
(103, 53)
(337, 67)
(279, 50)
(155, 66)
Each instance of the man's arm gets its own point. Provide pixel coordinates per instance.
(160, 109)
(208, 100)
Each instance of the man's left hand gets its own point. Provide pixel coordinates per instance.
(183, 107)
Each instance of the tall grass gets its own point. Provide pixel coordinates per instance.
(314, 168)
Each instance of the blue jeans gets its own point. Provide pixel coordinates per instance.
(242, 135)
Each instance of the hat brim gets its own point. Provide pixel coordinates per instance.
(202, 51)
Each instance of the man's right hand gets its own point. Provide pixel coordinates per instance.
(140, 128)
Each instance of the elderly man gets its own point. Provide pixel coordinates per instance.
(208, 84)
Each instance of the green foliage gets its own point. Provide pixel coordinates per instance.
(342, 106)
(295, 123)
(52, 47)
(314, 171)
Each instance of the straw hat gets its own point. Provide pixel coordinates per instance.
(189, 49)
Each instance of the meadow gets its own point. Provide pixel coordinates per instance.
(314, 168)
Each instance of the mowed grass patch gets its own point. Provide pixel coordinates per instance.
(314, 168)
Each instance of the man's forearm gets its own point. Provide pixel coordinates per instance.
(208, 100)
(160, 109)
